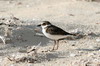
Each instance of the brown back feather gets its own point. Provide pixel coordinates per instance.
(55, 30)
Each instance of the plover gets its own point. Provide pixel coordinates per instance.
(54, 33)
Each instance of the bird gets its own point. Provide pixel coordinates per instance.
(53, 32)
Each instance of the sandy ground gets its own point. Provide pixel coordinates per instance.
(72, 16)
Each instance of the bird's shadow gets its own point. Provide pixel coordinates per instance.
(27, 37)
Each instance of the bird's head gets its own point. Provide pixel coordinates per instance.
(44, 24)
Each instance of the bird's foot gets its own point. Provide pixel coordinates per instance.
(45, 51)
(52, 50)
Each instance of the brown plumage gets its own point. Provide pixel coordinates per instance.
(54, 30)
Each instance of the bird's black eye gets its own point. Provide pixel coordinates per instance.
(44, 24)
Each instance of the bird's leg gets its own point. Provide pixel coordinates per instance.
(54, 45)
(57, 42)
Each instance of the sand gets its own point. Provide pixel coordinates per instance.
(72, 16)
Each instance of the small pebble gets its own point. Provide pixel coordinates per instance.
(98, 40)
(73, 44)
(72, 55)
(19, 3)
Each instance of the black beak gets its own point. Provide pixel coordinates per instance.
(39, 25)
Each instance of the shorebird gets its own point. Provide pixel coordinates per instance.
(53, 32)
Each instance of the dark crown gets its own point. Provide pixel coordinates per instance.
(46, 23)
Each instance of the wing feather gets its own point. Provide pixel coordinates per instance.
(56, 30)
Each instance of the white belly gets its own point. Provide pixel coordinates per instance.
(54, 37)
